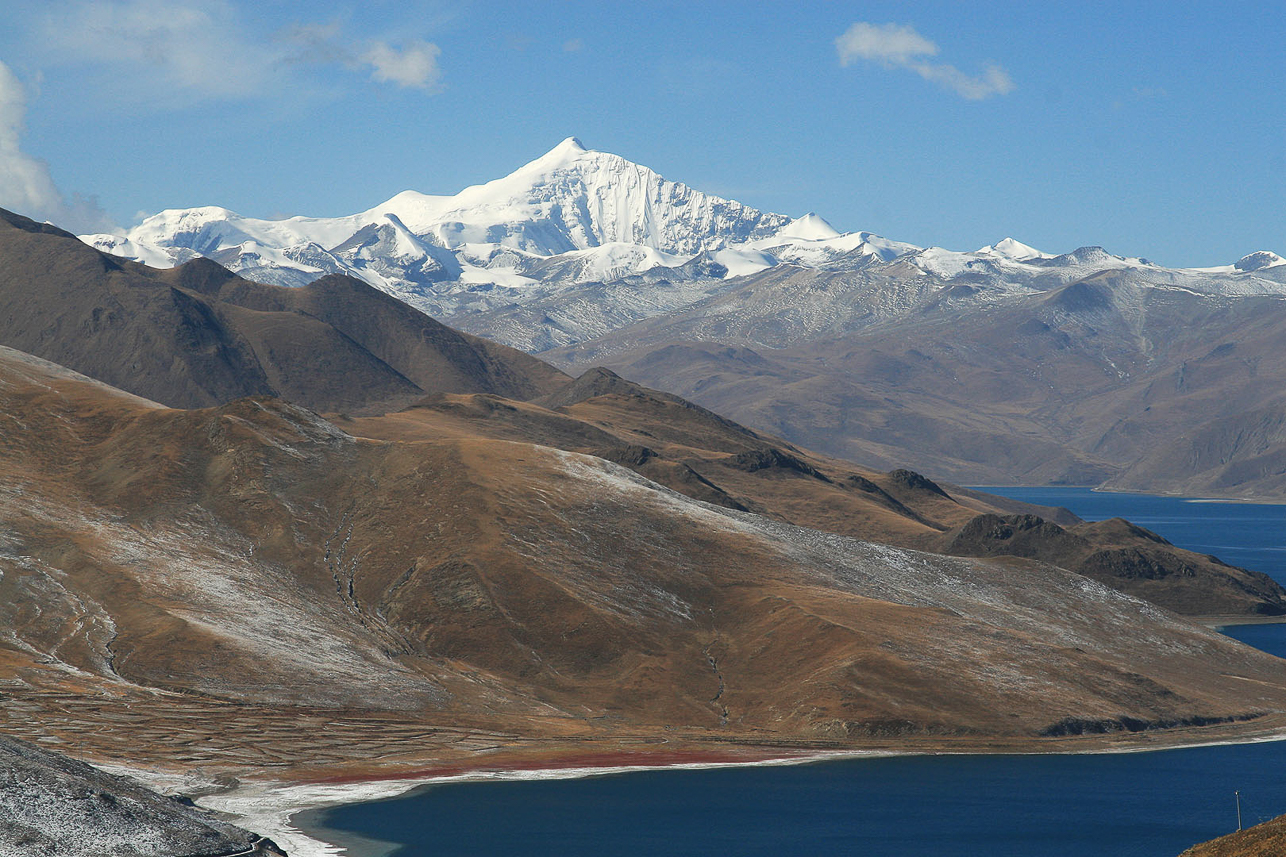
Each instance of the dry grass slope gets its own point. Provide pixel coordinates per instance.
(250, 587)
(1262, 840)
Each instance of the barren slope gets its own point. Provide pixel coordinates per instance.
(197, 335)
(1262, 840)
(227, 576)
(706, 457)
(52, 806)
(1109, 378)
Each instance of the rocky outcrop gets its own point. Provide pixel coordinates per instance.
(1125, 557)
(54, 806)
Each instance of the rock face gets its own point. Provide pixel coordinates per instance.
(53, 806)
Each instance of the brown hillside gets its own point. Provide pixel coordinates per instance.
(1262, 840)
(197, 335)
(1111, 379)
(221, 576)
(706, 457)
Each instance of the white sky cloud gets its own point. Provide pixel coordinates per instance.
(170, 52)
(890, 44)
(25, 183)
(414, 65)
(199, 48)
(900, 46)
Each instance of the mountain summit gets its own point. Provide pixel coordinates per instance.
(573, 198)
(579, 242)
(569, 199)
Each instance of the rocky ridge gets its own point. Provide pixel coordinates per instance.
(197, 335)
(55, 806)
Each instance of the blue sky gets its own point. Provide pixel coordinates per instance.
(1152, 129)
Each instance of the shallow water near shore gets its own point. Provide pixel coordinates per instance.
(1144, 804)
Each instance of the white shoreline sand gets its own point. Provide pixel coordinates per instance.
(267, 806)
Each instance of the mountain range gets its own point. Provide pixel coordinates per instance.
(999, 366)
(197, 336)
(583, 561)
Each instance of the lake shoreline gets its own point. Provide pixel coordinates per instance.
(275, 806)
(271, 807)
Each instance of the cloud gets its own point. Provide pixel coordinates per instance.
(316, 43)
(25, 183)
(890, 44)
(993, 81)
(195, 48)
(900, 46)
(415, 65)
(169, 53)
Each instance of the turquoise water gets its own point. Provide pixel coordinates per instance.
(1145, 804)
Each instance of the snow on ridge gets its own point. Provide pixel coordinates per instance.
(1258, 261)
(573, 198)
(810, 227)
(1011, 249)
(575, 215)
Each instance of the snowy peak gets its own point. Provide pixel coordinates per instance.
(1086, 256)
(561, 157)
(569, 149)
(576, 216)
(1258, 261)
(573, 198)
(810, 227)
(1008, 248)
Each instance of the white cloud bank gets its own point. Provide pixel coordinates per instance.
(25, 184)
(900, 46)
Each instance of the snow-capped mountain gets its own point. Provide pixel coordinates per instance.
(546, 235)
(617, 218)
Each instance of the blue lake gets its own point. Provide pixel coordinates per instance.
(1252, 535)
(1154, 804)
